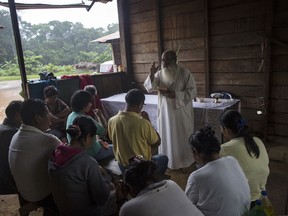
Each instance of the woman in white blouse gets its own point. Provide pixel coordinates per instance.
(219, 187)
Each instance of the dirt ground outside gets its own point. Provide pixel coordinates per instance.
(9, 90)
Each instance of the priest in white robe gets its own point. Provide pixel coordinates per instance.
(176, 89)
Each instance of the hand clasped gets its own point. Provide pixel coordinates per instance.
(167, 93)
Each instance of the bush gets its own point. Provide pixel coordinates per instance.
(32, 63)
(58, 69)
(9, 69)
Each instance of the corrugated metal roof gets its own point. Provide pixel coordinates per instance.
(107, 38)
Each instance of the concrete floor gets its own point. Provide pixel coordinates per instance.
(277, 185)
(277, 188)
(9, 204)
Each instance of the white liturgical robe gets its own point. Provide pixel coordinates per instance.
(175, 115)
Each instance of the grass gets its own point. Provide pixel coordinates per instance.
(7, 78)
(36, 76)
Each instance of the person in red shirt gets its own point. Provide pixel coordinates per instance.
(96, 109)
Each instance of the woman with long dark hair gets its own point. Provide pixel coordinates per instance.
(248, 150)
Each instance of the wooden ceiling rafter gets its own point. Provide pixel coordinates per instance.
(28, 6)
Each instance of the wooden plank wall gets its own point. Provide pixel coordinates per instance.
(107, 84)
(237, 54)
(278, 95)
(183, 29)
(144, 42)
(116, 52)
(227, 46)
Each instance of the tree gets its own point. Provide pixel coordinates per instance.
(62, 43)
(113, 28)
(7, 46)
(54, 43)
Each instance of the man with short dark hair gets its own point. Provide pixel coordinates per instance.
(29, 153)
(8, 128)
(132, 133)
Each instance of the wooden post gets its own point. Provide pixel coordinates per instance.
(125, 45)
(206, 41)
(159, 29)
(18, 44)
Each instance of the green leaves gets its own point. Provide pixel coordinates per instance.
(51, 45)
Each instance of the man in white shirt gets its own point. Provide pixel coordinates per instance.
(29, 153)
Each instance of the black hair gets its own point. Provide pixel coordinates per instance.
(234, 121)
(13, 108)
(139, 173)
(205, 141)
(50, 91)
(134, 97)
(81, 127)
(80, 100)
(31, 108)
(91, 89)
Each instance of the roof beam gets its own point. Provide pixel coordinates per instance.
(25, 6)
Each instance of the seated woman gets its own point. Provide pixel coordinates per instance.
(96, 102)
(152, 198)
(58, 112)
(79, 186)
(80, 104)
(219, 187)
(96, 111)
(249, 151)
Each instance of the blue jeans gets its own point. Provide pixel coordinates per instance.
(104, 153)
(160, 160)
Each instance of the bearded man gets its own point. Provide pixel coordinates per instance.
(176, 89)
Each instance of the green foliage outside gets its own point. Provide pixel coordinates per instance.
(36, 76)
(54, 47)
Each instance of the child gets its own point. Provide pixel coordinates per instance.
(58, 112)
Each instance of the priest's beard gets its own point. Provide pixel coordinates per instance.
(168, 74)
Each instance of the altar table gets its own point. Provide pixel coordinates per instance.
(206, 112)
